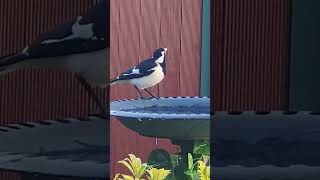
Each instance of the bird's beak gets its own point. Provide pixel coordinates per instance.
(165, 50)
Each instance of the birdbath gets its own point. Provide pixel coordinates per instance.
(62, 147)
(181, 119)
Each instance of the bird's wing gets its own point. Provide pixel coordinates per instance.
(87, 34)
(142, 69)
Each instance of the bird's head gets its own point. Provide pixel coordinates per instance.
(159, 55)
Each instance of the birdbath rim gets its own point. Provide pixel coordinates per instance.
(119, 108)
(176, 118)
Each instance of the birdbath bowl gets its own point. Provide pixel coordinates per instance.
(176, 118)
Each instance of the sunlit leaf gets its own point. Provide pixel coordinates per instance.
(190, 161)
(127, 177)
(157, 174)
(135, 166)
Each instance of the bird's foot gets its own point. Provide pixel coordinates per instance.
(152, 97)
(143, 98)
(156, 97)
(146, 98)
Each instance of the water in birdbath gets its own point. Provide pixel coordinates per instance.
(178, 109)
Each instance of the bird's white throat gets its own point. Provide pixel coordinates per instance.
(160, 59)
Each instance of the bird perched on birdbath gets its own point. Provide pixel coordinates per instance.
(145, 74)
(80, 45)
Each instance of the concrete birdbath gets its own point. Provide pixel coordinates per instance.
(176, 118)
(181, 119)
(266, 145)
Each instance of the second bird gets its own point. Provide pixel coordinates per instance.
(145, 74)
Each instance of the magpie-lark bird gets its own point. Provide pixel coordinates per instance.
(145, 74)
(80, 45)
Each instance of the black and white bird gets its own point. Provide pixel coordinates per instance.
(80, 45)
(145, 74)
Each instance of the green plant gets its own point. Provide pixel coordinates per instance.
(197, 170)
(191, 172)
(164, 166)
(192, 166)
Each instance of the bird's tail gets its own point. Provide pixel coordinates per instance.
(6, 69)
(10, 62)
(113, 81)
(7, 63)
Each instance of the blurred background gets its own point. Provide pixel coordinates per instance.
(264, 58)
(251, 54)
(265, 55)
(38, 94)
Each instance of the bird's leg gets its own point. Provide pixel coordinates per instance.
(139, 92)
(92, 93)
(151, 94)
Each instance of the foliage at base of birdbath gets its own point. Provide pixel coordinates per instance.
(196, 167)
(164, 166)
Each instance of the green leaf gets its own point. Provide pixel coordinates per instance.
(190, 161)
(189, 173)
(174, 160)
(201, 146)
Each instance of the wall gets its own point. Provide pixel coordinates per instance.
(137, 28)
(250, 54)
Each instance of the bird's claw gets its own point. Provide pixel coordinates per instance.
(150, 97)
(143, 98)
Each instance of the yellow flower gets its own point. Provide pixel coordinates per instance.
(134, 165)
(203, 170)
(157, 174)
